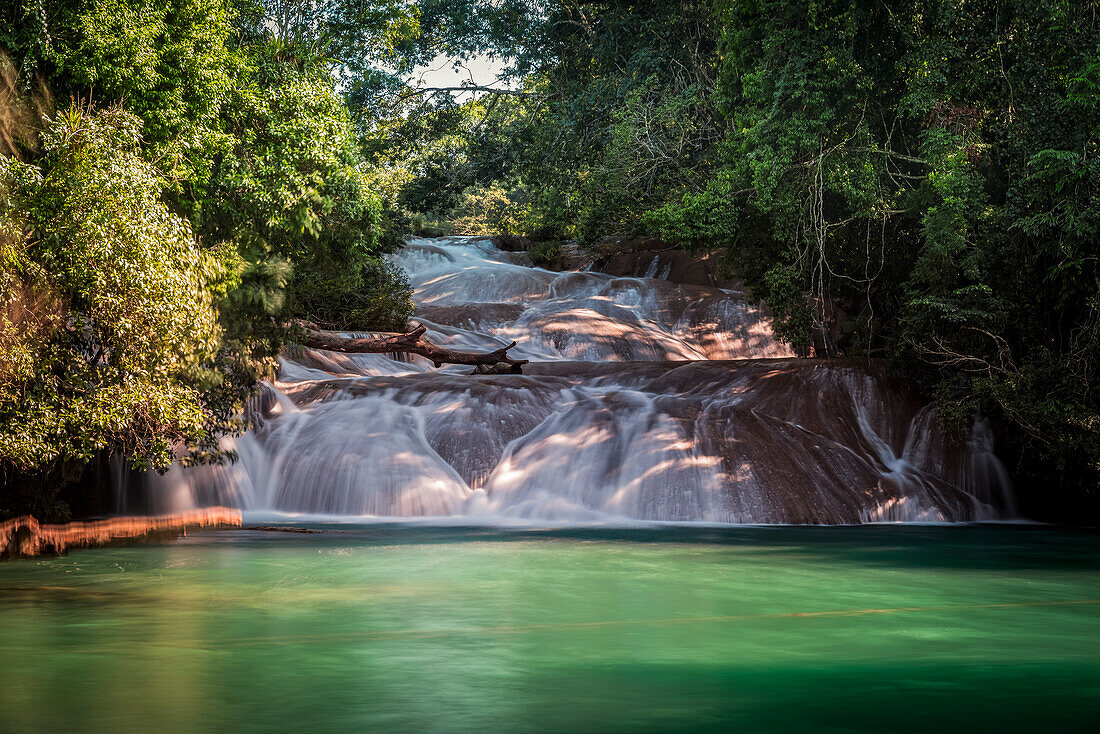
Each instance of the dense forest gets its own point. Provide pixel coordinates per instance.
(181, 179)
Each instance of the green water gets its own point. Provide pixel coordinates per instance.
(418, 629)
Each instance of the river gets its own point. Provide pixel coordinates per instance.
(419, 628)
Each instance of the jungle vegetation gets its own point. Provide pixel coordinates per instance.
(181, 178)
(913, 181)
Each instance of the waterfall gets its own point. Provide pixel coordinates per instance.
(644, 400)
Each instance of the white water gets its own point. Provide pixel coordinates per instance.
(627, 411)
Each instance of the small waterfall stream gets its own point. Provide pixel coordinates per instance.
(645, 400)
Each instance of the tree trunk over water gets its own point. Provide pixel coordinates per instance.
(24, 536)
(411, 342)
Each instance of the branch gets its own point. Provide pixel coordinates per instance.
(411, 342)
(891, 153)
(468, 88)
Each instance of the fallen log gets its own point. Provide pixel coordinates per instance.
(25, 536)
(410, 342)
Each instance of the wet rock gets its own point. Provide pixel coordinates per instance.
(512, 242)
(500, 368)
(650, 257)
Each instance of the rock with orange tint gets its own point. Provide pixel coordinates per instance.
(25, 536)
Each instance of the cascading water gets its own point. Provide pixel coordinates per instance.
(644, 400)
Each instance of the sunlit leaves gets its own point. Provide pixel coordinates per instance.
(139, 319)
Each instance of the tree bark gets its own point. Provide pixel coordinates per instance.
(411, 342)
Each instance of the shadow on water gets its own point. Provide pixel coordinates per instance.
(994, 547)
(879, 697)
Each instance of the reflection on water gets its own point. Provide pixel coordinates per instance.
(419, 628)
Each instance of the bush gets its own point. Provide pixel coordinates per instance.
(375, 296)
(545, 254)
(491, 210)
(111, 299)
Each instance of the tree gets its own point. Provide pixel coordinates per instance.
(246, 162)
(113, 305)
(294, 188)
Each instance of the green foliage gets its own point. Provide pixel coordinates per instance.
(292, 175)
(545, 254)
(120, 366)
(293, 188)
(370, 294)
(152, 258)
(613, 111)
(782, 286)
(918, 180)
(492, 210)
(698, 219)
(171, 62)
